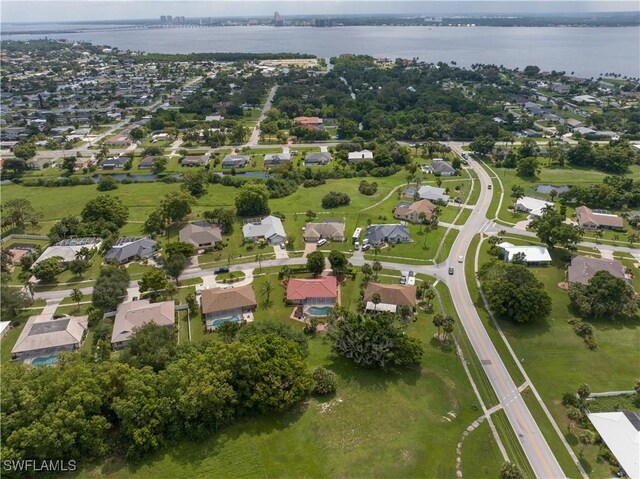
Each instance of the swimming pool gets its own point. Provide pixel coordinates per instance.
(45, 361)
(217, 322)
(319, 310)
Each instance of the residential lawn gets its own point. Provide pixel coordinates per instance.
(557, 360)
(377, 425)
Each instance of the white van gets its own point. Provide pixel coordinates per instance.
(321, 242)
(356, 245)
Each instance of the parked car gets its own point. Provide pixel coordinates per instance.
(365, 247)
(356, 245)
(282, 246)
(411, 274)
(220, 270)
(321, 242)
(458, 200)
(450, 270)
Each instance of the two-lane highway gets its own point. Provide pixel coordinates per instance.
(541, 458)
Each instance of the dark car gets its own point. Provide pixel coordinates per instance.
(224, 269)
(450, 270)
(489, 187)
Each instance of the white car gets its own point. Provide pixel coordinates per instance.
(460, 259)
(321, 242)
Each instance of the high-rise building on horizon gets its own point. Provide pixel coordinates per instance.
(277, 20)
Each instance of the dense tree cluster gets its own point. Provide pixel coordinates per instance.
(110, 288)
(378, 341)
(83, 409)
(551, 228)
(513, 292)
(367, 188)
(615, 157)
(334, 199)
(616, 192)
(252, 200)
(605, 296)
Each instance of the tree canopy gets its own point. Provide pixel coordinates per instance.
(605, 296)
(252, 200)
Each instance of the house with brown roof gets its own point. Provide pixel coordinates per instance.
(391, 296)
(44, 336)
(201, 234)
(309, 122)
(220, 305)
(583, 268)
(331, 230)
(411, 211)
(136, 314)
(314, 297)
(589, 219)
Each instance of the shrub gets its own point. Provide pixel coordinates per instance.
(367, 188)
(324, 380)
(334, 199)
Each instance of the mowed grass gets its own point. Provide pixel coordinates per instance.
(378, 424)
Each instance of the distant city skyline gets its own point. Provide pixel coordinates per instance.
(52, 11)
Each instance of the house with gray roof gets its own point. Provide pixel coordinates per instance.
(201, 234)
(390, 233)
(44, 335)
(115, 162)
(202, 160)
(147, 162)
(235, 161)
(317, 159)
(583, 268)
(127, 249)
(433, 194)
(440, 167)
(277, 159)
(135, 314)
(269, 228)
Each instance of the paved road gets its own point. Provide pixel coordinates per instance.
(534, 445)
(255, 134)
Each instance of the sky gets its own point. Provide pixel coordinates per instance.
(80, 10)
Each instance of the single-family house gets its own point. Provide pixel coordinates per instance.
(433, 194)
(67, 249)
(4, 328)
(269, 228)
(314, 297)
(589, 219)
(412, 211)
(201, 234)
(533, 255)
(201, 160)
(573, 123)
(147, 162)
(389, 233)
(317, 159)
(532, 206)
(620, 431)
(585, 100)
(136, 314)
(355, 156)
(115, 162)
(534, 108)
(118, 140)
(583, 268)
(220, 305)
(235, 161)
(276, 159)
(126, 249)
(584, 131)
(309, 122)
(391, 296)
(44, 336)
(440, 167)
(331, 230)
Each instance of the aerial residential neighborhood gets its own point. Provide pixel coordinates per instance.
(283, 265)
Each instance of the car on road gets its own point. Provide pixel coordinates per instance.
(460, 259)
(282, 246)
(489, 187)
(221, 270)
(450, 270)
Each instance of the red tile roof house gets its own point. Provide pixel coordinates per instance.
(309, 122)
(314, 297)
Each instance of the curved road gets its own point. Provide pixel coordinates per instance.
(541, 458)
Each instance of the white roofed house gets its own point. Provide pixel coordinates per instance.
(433, 193)
(276, 159)
(532, 206)
(44, 336)
(531, 255)
(135, 314)
(362, 155)
(67, 249)
(269, 228)
(620, 431)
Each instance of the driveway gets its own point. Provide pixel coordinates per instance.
(280, 253)
(309, 248)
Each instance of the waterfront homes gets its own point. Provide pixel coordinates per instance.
(202, 160)
(221, 305)
(235, 161)
(313, 297)
(136, 314)
(331, 230)
(360, 156)
(276, 159)
(532, 206)
(583, 268)
(317, 159)
(67, 249)
(147, 162)
(44, 335)
(390, 233)
(269, 228)
(440, 167)
(412, 211)
(127, 249)
(589, 219)
(115, 162)
(433, 193)
(531, 255)
(391, 296)
(201, 234)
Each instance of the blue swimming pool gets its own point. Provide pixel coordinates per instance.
(217, 322)
(319, 310)
(45, 361)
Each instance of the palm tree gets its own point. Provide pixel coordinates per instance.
(77, 295)
(598, 234)
(405, 313)
(376, 299)
(447, 327)
(438, 322)
(171, 289)
(259, 260)
(377, 267)
(265, 290)
(376, 249)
